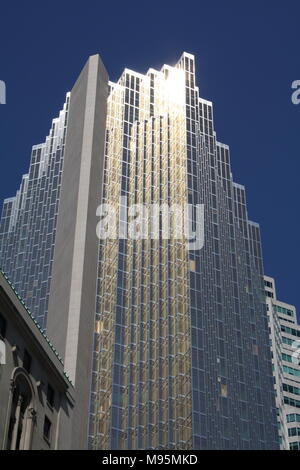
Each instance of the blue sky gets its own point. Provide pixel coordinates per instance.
(247, 56)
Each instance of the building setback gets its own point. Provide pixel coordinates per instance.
(285, 344)
(167, 344)
(28, 222)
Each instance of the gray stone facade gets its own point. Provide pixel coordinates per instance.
(36, 397)
(71, 316)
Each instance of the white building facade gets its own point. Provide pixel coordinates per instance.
(285, 345)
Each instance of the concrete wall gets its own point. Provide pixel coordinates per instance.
(73, 288)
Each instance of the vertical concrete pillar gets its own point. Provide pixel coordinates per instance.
(73, 287)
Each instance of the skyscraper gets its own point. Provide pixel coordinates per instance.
(285, 343)
(166, 341)
(28, 222)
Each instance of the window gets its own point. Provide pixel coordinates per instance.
(269, 284)
(47, 428)
(27, 361)
(294, 432)
(292, 418)
(291, 389)
(2, 326)
(224, 390)
(22, 414)
(290, 331)
(291, 371)
(291, 402)
(286, 311)
(50, 395)
(192, 265)
(288, 341)
(287, 358)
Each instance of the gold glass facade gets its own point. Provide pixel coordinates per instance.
(141, 388)
(181, 354)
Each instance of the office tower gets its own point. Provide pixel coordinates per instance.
(181, 355)
(285, 345)
(177, 337)
(28, 222)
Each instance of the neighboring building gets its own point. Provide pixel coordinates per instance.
(167, 346)
(36, 397)
(285, 344)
